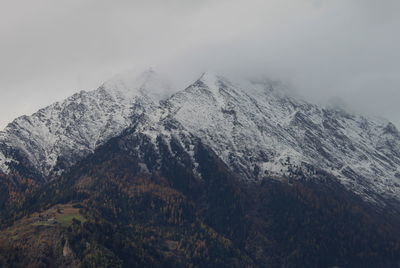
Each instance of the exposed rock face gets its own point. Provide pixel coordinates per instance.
(67, 252)
(257, 128)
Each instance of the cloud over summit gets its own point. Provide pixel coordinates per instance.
(50, 49)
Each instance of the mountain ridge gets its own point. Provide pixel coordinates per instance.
(256, 128)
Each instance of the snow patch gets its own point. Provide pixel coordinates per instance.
(3, 164)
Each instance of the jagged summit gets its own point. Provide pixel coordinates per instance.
(257, 127)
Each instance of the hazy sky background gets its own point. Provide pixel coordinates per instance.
(50, 49)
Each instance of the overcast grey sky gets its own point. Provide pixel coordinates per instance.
(50, 49)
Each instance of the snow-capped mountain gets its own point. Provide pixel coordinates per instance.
(258, 128)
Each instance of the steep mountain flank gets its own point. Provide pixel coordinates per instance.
(167, 204)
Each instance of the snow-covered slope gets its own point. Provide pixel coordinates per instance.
(57, 136)
(258, 128)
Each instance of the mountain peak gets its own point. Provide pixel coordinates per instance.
(258, 86)
(209, 78)
(148, 83)
(55, 137)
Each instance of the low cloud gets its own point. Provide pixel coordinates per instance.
(325, 48)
